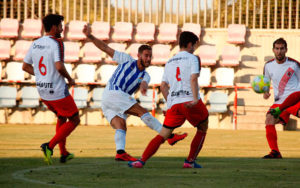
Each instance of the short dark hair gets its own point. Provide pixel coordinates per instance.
(187, 37)
(144, 47)
(280, 41)
(51, 20)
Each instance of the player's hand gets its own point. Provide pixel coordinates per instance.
(267, 95)
(87, 30)
(191, 104)
(143, 88)
(71, 82)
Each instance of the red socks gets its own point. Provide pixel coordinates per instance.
(291, 100)
(272, 137)
(152, 147)
(196, 145)
(62, 144)
(62, 133)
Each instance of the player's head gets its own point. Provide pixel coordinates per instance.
(280, 49)
(145, 55)
(188, 41)
(53, 23)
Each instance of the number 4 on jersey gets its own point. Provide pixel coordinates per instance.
(178, 74)
(42, 67)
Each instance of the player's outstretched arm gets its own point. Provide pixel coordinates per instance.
(28, 68)
(144, 88)
(99, 43)
(60, 67)
(195, 89)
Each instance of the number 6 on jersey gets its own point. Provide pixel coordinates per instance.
(42, 67)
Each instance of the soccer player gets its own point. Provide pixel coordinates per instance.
(45, 60)
(117, 101)
(180, 89)
(284, 73)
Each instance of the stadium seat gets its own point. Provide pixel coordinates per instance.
(167, 33)
(97, 98)
(75, 30)
(230, 56)
(156, 74)
(147, 101)
(9, 28)
(91, 53)
(72, 50)
(192, 27)
(116, 46)
(30, 98)
(4, 49)
(21, 48)
(106, 71)
(80, 97)
(133, 50)
(8, 97)
(218, 102)
(145, 32)
(225, 76)
(15, 72)
(101, 30)
(204, 78)
(160, 54)
(208, 55)
(122, 32)
(32, 28)
(236, 33)
(0, 71)
(85, 73)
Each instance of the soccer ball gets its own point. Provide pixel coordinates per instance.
(261, 84)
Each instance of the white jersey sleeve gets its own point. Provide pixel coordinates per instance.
(195, 69)
(165, 78)
(122, 57)
(147, 78)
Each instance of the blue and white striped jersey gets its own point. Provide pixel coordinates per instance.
(127, 77)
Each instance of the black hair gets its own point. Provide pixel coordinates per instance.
(144, 47)
(187, 37)
(51, 20)
(280, 41)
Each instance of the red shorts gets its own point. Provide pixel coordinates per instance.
(64, 107)
(178, 113)
(285, 115)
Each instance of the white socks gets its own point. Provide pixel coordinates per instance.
(120, 139)
(151, 122)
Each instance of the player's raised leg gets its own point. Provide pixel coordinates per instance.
(291, 100)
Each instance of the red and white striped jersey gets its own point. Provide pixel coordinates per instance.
(43, 54)
(285, 78)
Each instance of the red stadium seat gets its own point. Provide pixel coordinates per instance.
(236, 34)
(75, 30)
(9, 28)
(167, 33)
(4, 49)
(101, 30)
(192, 27)
(230, 56)
(133, 50)
(32, 28)
(208, 55)
(116, 46)
(160, 53)
(21, 48)
(71, 51)
(122, 31)
(91, 53)
(145, 32)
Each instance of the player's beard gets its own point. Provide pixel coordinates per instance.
(144, 64)
(57, 35)
(280, 58)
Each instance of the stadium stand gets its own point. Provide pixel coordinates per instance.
(85, 73)
(80, 97)
(72, 51)
(167, 33)
(133, 50)
(0, 72)
(218, 102)
(145, 32)
(208, 55)
(160, 54)
(225, 76)
(236, 33)
(8, 97)
(192, 27)
(147, 101)
(156, 74)
(106, 72)
(9, 28)
(32, 28)
(122, 32)
(97, 98)
(116, 46)
(91, 53)
(14, 72)
(4, 49)
(20, 49)
(204, 78)
(230, 56)
(75, 30)
(101, 30)
(30, 97)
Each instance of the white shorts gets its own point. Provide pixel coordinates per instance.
(116, 103)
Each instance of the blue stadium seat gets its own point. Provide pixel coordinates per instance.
(97, 98)
(30, 97)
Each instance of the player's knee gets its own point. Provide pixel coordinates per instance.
(203, 126)
(62, 119)
(75, 120)
(270, 120)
